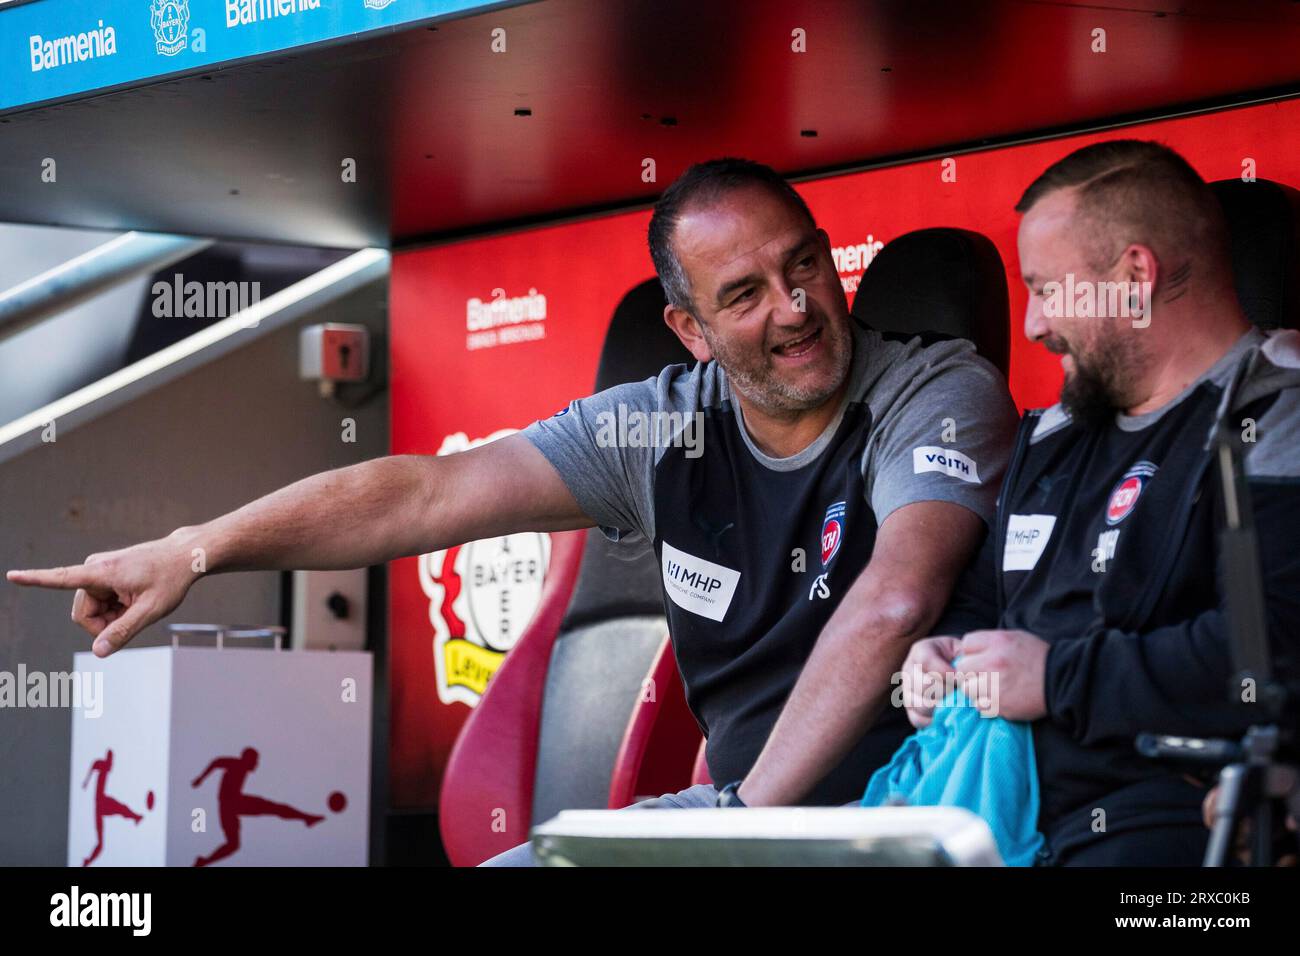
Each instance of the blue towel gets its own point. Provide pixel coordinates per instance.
(984, 764)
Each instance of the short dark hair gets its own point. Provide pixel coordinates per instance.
(1141, 190)
(703, 183)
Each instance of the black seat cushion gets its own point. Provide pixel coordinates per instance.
(1262, 219)
(946, 281)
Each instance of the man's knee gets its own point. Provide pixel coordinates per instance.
(699, 796)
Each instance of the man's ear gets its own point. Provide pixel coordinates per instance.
(1142, 270)
(686, 328)
(1139, 264)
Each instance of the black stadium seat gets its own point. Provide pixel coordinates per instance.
(949, 281)
(615, 621)
(1262, 218)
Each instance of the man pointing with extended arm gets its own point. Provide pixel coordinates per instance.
(820, 438)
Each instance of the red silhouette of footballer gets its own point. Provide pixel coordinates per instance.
(106, 806)
(233, 803)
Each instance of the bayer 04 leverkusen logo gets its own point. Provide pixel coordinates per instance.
(481, 597)
(170, 20)
(832, 532)
(1124, 496)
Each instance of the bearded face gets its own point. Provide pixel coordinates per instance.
(768, 301)
(1101, 366)
(756, 373)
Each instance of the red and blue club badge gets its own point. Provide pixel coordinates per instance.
(832, 532)
(1124, 496)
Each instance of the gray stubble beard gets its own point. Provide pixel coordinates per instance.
(764, 390)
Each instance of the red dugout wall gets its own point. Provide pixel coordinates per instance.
(490, 334)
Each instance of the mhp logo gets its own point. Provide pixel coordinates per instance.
(692, 579)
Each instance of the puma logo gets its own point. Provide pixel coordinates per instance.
(714, 534)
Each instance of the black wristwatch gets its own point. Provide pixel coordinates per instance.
(729, 796)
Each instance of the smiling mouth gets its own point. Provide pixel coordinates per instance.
(800, 346)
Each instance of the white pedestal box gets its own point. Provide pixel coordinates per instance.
(284, 737)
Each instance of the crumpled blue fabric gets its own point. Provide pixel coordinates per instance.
(984, 764)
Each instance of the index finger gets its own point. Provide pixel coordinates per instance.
(68, 578)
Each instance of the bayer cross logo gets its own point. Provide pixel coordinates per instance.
(503, 578)
(481, 597)
(170, 20)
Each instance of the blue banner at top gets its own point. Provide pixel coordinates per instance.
(52, 49)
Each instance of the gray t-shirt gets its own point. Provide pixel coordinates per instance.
(941, 427)
(755, 552)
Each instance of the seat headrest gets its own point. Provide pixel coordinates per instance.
(1262, 218)
(639, 344)
(622, 579)
(949, 281)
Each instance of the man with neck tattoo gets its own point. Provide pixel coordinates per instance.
(1097, 600)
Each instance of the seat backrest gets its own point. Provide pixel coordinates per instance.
(1262, 219)
(492, 766)
(615, 624)
(659, 747)
(949, 281)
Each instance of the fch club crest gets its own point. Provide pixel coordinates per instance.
(832, 538)
(1124, 496)
(832, 532)
(170, 20)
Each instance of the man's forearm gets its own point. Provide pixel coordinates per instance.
(347, 518)
(920, 550)
(839, 695)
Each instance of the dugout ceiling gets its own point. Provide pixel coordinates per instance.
(248, 138)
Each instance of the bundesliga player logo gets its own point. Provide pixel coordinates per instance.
(1123, 499)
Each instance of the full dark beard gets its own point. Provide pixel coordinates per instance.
(1101, 384)
(1087, 398)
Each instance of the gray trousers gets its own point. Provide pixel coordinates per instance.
(698, 796)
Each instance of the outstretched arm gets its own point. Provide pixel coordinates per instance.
(348, 518)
